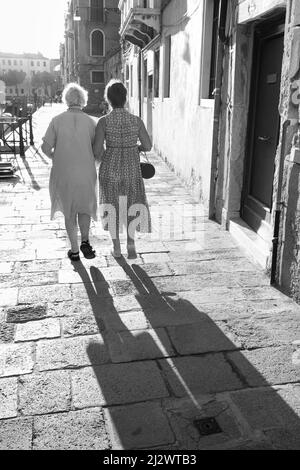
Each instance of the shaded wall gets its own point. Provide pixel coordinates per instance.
(182, 124)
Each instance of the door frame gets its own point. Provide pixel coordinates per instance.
(263, 31)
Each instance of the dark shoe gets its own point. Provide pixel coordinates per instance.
(87, 250)
(73, 256)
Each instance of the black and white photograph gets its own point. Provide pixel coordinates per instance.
(149, 228)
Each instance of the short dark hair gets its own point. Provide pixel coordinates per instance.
(115, 94)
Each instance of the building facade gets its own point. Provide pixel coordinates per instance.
(91, 38)
(217, 83)
(164, 45)
(30, 64)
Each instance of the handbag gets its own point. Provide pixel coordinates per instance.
(147, 169)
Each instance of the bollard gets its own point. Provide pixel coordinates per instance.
(31, 130)
(22, 149)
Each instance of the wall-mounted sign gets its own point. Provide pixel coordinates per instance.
(272, 78)
(295, 97)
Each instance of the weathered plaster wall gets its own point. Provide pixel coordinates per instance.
(182, 124)
(235, 104)
(288, 269)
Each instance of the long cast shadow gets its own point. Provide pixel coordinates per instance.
(216, 366)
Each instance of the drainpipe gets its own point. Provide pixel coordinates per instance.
(278, 211)
(222, 40)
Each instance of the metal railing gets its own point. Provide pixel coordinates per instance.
(15, 134)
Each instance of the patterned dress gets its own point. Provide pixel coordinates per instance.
(120, 180)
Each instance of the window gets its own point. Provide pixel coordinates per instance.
(97, 76)
(45, 64)
(11, 91)
(9, 62)
(97, 43)
(97, 10)
(32, 63)
(167, 67)
(209, 48)
(156, 73)
(145, 78)
(127, 77)
(38, 63)
(22, 91)
(131, 81)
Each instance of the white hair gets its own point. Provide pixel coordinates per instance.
(75, 95)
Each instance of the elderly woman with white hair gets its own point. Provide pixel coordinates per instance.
(69, 143)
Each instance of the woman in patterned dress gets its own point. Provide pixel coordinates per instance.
(123, 199)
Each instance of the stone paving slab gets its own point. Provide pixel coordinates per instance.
(7, 332)
(70, 353)
(8, 398)
(41, 329)
(76, 430)
(284, 438)
(138, 426)
(16, 359)
(49, 392)
(266, 366)
(117, 384)
(8, 296)
(25, 313)
(126, 346)
(39, 266)
(269, 408)
(196, 375)
(16, 434)
(203, 337)
(6, 268)
(53, 293)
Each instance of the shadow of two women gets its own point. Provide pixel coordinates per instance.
(187, 374)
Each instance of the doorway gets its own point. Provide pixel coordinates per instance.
(264, 126)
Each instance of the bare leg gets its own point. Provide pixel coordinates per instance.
(84, 222)
(131, 243)
(72, 231)
(116, 252)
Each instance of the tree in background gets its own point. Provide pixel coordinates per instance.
(13, 78)
(43, 80)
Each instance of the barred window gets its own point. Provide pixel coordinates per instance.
(97, 43)
(97, 77)
(97, 10)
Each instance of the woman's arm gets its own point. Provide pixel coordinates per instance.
(146, 144)
(47, 150)
(49, 141)
(98, 146)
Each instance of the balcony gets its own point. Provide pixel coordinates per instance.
(140, 20)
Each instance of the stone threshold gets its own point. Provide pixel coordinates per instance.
(256, 248)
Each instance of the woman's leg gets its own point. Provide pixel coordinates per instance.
(116, 244)
(131, 241)
(72, 231)
(84, 222)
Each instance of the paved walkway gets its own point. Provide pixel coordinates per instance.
(138, 354)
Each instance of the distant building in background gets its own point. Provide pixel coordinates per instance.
(56, 71)
(28, 63)
(91, 52)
